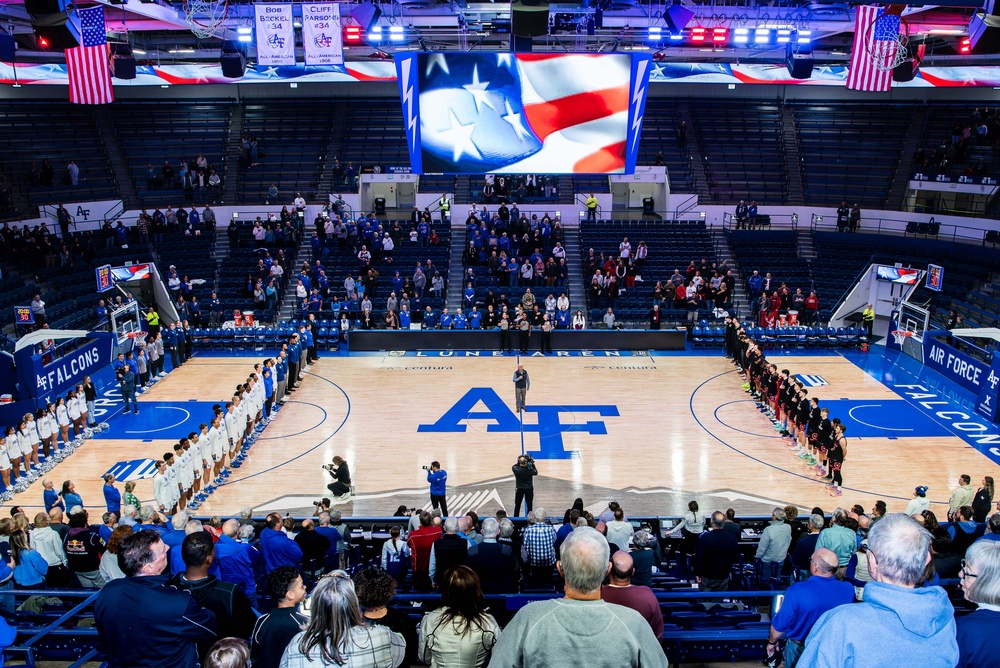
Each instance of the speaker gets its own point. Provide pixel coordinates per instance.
(39, 7)
(122, 61)
(60, 30)
(234, 65)
(677, 18)
(379, 205)
(7, 48)
(905, 71)
(529, 18)
(984, 29)
(799, 60)
(647, 205)
(366, 14)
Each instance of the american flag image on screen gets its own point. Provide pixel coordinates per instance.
(524, 113)
(87, 65)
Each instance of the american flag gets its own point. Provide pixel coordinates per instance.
(862, 74)
(87, 65)
(524, 113)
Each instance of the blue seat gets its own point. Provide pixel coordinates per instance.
(800, 337)
(718, 336)
(218, 342)
(322, 337)
(812, 340)
(831, 337)
(228, 338)
(259, 336)
(698, 336)
(853, 335)
(197, 336)
(842, 337)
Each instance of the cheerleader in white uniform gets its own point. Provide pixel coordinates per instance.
(44, 429)
(81, 400)
(30, 434)
(50, 415)
(62, 419)
(14, 450)
(161, 488)
(4, 464)
(73, 408)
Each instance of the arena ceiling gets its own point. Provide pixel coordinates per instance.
(159, 31)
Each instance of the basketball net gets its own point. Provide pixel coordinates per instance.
(900, 335)
(205, 17)
(887, 54)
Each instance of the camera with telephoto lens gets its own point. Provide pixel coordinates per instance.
(426, 468)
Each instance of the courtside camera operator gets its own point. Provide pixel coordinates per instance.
(439, 486)
(524, 484)
(341, 486)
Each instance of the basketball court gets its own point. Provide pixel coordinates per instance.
(652, 432)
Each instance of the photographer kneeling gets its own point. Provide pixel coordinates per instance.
(341, 486)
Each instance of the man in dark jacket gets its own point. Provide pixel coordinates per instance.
(449, 551)
(314, 546)
(84, 548)
(275, 630)
(126, 381)
(143, 622)
(233, 615)
(714, 558)
(495, 564)
(524, 486)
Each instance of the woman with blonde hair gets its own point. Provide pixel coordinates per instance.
(460, 634)
(29, 566)
(130, 499)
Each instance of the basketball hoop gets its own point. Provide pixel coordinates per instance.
(205, 17)
(900, 335)
(887, 39)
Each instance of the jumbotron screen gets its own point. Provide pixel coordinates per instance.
(472, 113)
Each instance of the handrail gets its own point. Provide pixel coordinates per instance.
(685, 206)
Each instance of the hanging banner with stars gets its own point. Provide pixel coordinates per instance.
(523, 113)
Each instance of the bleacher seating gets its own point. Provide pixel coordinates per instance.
(372, 133)
(850, 151)
(659, 126)
(57, 132)
(744, 144)
(293, 138)
(154, 132)
(672, 245)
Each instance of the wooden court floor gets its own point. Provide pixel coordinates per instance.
(651, 432)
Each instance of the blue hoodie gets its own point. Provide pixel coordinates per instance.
(895, 627)
(438, 481)
(237, 563)
(279, 550)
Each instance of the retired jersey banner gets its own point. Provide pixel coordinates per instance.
(322, 38)
(275, 34)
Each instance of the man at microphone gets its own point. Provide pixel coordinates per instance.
(521, 386)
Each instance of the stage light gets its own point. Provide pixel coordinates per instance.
(805, 36)
(676, 38)
(375, 34)
(965, 46)
(741, 36)
(245, 31)
(44, 43)
(352, 34)
(655, 34)
(244, 38)
(784, 36)
(698, 34)
(396, 33)
(720, 34)
(761, 36)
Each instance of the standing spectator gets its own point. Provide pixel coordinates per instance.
(461, 632)
(805, 602)
(980, 577)
(983, 500)
(539, 547)
(962, 496)
(276, 546)
(233, 616)
(143, 622)
(110, 569)
(274, 630)
(617, 636)
(839, 539)
(621, 591)
(421, 542)
(806, 545)
(843, 216)
(112, 497)
(337, 633)
(897, 620)
(449, 551)
(591, 207)
(38, 308)
(74, 173)
(84, 548)
(717, 551)
(855, 218)
(773, 548)
(494, 563)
